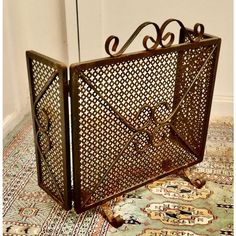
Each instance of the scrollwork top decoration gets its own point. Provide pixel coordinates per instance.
(163, 39)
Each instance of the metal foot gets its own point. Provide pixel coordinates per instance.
(115, 221)
(195, 181)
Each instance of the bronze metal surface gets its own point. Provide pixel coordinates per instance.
(135, 117)
(140, 116)
(49, 100)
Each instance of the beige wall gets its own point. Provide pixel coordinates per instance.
(91, 29)
(29, 24)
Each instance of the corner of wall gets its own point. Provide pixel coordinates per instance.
(13, 119)
(222, 106)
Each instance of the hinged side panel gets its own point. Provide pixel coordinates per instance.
(49, 99)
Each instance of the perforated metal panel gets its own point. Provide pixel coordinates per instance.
(137, 117)
(49, 100)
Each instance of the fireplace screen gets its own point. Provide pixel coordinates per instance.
(134, 117)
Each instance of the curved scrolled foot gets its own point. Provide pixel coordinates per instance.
(115, 221)
(196, 182)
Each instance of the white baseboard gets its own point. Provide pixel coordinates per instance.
(11, 121)
(222, 106)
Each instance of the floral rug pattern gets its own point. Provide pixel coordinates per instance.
(166, 207)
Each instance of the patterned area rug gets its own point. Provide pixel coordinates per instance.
(169, 206)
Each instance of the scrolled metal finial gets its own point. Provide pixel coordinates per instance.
(115, 40)
(198, 32)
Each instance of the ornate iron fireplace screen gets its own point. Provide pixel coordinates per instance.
(135, 117)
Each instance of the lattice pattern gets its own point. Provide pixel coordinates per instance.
(40, 73)
(119, 107)
(48, 110)
(190, 120)
(130, 84)
(50, 102)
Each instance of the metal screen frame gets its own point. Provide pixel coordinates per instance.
(75, 73)
(47, 79)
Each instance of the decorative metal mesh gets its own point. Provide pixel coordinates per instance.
(49, 107)
(135, 117)
(138, 117)
(191, 118)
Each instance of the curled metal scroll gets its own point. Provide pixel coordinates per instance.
(161, 37)
(131, 39)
